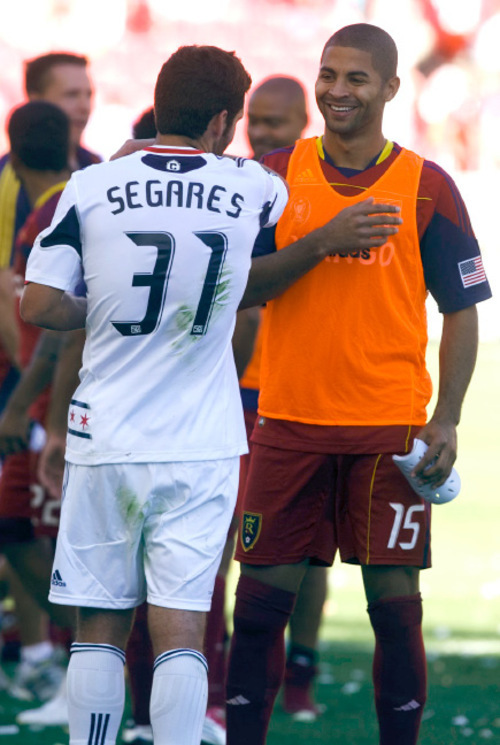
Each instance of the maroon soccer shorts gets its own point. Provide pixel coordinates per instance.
(250, 417)
(306, 505)
(26, 509)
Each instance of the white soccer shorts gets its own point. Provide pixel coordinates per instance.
(131, 531)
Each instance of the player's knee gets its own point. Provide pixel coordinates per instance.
(392, 617)
(286, 577)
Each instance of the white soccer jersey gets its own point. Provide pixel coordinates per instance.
(163, 240)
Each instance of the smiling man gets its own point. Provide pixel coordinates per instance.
(343, 387)
(62, 78)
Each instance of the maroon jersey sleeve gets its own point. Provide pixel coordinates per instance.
(451, 257)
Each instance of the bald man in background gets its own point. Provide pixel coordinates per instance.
(277, 115)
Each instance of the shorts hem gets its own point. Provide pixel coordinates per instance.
(384, 561)
(174, 604)
(280, 561)
(79, 602)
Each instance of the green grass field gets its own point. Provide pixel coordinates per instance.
(461, 611)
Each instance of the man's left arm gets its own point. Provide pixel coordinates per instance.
(9, 330)
(457, 358)
(52, 308)
(14, 422)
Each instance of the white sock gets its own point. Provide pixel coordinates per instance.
(179, 697)
(96, 693)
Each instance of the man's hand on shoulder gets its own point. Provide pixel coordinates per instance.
(132, 146)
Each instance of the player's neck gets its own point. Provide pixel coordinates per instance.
(37, 183)
(73, 161)
(180, 141)
(353, 152)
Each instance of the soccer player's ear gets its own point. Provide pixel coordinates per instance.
(391, 88)
(218, 124)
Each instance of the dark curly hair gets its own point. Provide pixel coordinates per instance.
(195, 84)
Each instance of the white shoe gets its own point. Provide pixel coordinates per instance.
(138, 734)
(54, 713)
(37, 680)
(214, 730)
(437, 495)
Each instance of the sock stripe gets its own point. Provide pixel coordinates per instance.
(98, 728)
(92, 728)
(78, 647)
(172, 653)
(104, 728)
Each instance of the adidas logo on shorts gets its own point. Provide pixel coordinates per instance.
(57, 580)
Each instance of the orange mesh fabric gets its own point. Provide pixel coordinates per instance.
(345, 345)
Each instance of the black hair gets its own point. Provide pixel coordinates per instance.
(145, 126)
(39, 136)
(371, 39)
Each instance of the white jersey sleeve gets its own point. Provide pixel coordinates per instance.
(275, 193)
(277, 199)
(164, 239)
(58, 262)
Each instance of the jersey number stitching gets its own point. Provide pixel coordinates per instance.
(157, 281)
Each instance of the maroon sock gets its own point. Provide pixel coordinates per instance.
(215, 640)
(64, 636)
(300, 672)
(140, 666)
(399, 668)
(256, 660)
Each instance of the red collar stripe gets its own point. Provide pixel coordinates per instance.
(166, 150)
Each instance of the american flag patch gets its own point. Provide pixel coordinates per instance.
(472, 271)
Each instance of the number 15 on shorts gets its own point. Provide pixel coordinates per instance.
(405, 529)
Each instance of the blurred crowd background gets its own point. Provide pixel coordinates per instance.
(448, 107)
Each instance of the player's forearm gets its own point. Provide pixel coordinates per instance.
(36, 376)
(362, 225)
(53, 309)
(273, 274)
(9, 330)
(245, 332)
(9, 334)
(65, 381)
(457, 358)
